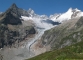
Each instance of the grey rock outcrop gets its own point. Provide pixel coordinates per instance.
(65, 34)
(12, 28)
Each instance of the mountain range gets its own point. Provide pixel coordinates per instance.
(57, 17)
(42, 33)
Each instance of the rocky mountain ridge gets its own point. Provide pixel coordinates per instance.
(12, 28)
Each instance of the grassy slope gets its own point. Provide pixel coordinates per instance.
(70, 52)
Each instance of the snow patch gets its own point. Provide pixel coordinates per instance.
(26, 18)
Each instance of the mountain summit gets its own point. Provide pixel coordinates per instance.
(14, 5)
(71, 13)
(17, 11)
(11, 16)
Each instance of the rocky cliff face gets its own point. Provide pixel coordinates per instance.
(13, 15)
(12, 28)
(65, 34)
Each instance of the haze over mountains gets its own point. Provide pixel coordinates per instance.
(38, 33)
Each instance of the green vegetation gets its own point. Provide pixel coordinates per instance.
(74, 52)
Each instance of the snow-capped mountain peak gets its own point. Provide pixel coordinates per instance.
(77, 13)
(70, 9)
(71, 13)
(65, 16)
(31, 12)
(76, 9)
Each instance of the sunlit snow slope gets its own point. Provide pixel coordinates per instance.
(71, 13)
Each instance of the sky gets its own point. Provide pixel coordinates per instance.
(40, 7)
